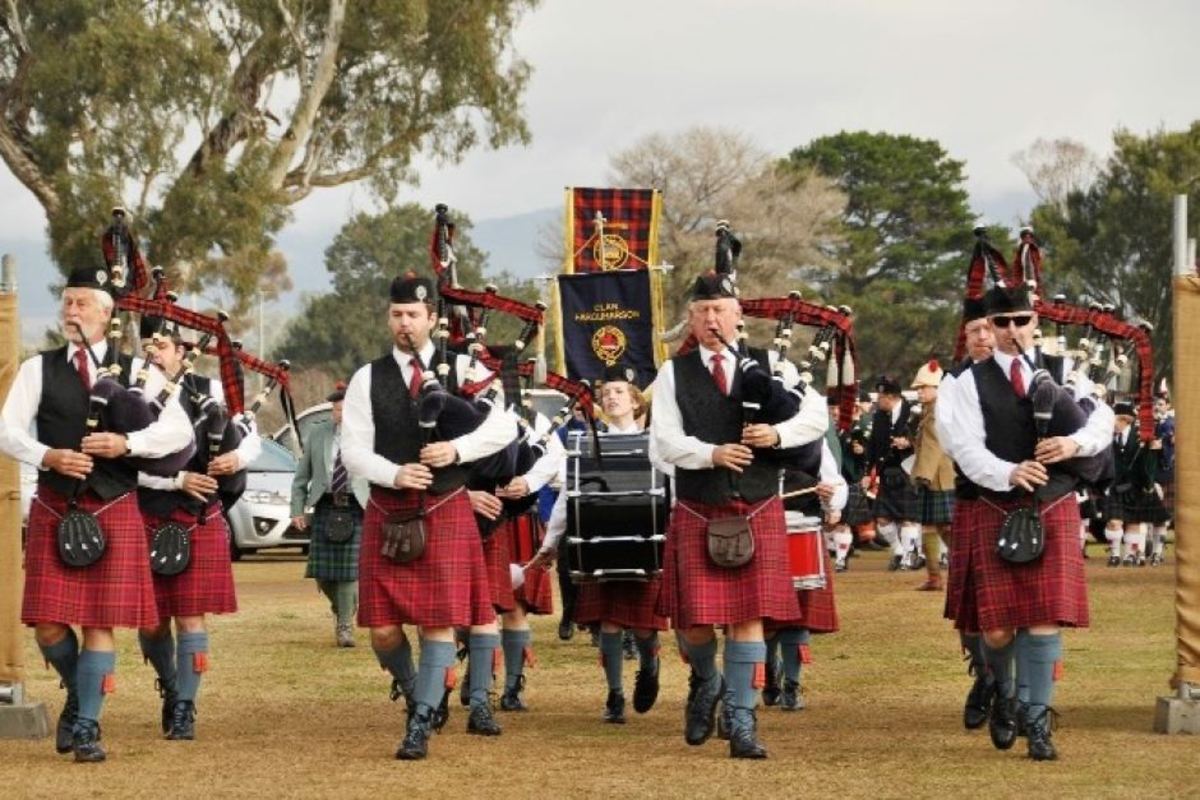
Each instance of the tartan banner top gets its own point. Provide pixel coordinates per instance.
(628, 229)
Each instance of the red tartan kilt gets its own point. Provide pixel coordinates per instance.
(447, 586)
(497, 555)
(115, 592)
(537, 595)
(696, 592)
(206, 586)
(630, 604)
(818, 608)
(960, 594)
(994, 594)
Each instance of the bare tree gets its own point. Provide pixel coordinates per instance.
(1056, 168)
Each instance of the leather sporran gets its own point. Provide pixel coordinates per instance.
(81, 543)
(171, 549)
(730, 542)
(404, 538)
(1021, 540)
(339, 525)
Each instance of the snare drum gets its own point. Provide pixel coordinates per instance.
(806, 551)
(617, 509)
(527, 537)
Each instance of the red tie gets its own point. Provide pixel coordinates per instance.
(81, 365)
(1018, 380)
(718, 374)
(414, 383)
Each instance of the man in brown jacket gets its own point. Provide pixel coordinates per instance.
(933, 472)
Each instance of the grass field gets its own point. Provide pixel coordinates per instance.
(283, 713)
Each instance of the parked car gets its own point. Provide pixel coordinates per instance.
(262, 518)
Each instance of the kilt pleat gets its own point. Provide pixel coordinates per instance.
(206, 586)
(447, 586)
(497, 555)
(697, 592)
(897, 497)
(994, 594)
(630, 604)
(934, 507)
(536, 596)
(115, 592)
(332, 561)
(1135, 505)
(958, 591)
(858, 509)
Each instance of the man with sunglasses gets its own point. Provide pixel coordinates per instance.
(989, 425)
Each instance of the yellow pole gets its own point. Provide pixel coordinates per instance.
(18, 718)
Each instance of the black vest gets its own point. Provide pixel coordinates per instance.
(397, 435)
(62, 424)
(880, 452)
(1009, 431)
(164, 502)
(717, 419)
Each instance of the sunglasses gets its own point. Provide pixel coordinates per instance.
(1004, 320)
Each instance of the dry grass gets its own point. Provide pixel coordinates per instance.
(284, 714)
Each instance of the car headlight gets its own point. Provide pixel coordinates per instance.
(267, 498)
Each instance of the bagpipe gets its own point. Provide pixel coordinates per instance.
(1102, 351)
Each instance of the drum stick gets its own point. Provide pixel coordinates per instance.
(797, 492)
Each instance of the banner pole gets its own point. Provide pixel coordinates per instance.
(19, 718)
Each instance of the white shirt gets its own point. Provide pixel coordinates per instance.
(549, 465)
(18, 420)
(248, 450)
(358, 424)
(675, 447)
(830, 474)
(961, 429)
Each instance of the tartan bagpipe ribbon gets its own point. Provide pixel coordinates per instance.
(833, 325)
(611, 229)
(560, 383)
(1107, 323)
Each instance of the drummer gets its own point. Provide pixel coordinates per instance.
(616, 606)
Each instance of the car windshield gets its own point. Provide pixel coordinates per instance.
(273, 459)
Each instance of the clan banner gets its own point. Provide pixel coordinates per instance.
(610, 229)
(607, 320)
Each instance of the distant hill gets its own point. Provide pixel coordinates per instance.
(511, 242)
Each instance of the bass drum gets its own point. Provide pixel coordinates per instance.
(617, 509)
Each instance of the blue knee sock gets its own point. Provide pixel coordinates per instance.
(612, 658)
(94, 667)
(63, 655)
(436, 659)
(1021, 659)
(514, 643)
(1042, 653)
(483, 647)
(703, 658)
(160, 653)
(790, 642)
(1000, 664)
(742, 661)
(346, 602)
(191, 662)
(648, 652)
(399, 662)
(972, 645)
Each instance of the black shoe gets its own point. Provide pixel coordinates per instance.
(645, 689)
(511, 699)
(790, 698)
(63, 738)
(441, 714)
(724, 720)
(481, 722)
(628, 646)
(1039, 728)
(183, 721)
(168, 703)
(566, 629)
(872, 546)
(894, 564)
(743, 740)
(841, 566)
(979, 700)
(1114, 561)
(700, 716)
(614, 707)
(1002, 723)
(1022, 715)
(771, 691)
(85, 741)
(1156, 560)
(416, 738)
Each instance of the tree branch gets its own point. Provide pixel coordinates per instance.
(311, 96)
(27, 171)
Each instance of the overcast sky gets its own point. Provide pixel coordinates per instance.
(985, 79)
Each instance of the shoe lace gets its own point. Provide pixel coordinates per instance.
(184, 711)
